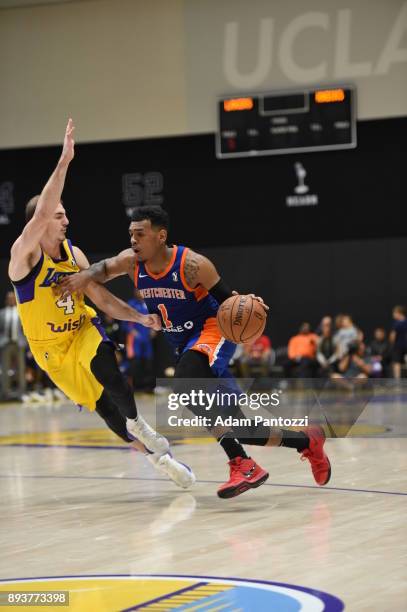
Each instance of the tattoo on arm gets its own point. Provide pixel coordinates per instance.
(191, 269)
(98, 271)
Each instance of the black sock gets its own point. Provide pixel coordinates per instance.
(232, 447)
(253, 441)
(294, 439)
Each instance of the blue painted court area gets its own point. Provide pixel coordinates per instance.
(243, 598)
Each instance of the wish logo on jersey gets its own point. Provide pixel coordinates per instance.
(68, 326)
(53, 277)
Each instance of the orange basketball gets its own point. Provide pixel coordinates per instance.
(240, 318)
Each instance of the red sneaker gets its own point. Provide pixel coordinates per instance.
(244, 474)
(321, 468)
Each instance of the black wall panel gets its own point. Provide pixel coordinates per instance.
(347, 253)
(361, 193)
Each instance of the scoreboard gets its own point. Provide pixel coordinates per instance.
(276, 123)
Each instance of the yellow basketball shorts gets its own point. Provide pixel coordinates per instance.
(67, 363)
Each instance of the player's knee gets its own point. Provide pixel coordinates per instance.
(193, 364)
(104, 364)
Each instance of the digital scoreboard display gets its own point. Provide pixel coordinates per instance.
(286, 122)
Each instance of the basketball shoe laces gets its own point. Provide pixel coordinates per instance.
(241, 466)
(317, 460)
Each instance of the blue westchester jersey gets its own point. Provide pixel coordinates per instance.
(188, 315)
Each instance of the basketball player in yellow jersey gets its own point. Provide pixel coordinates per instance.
(65, 335)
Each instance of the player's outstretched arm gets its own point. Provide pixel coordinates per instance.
(117, 309)
(109, 303)
(100, 272)
(27, 244)
(199, 270)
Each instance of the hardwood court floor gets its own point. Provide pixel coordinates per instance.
(74, 504)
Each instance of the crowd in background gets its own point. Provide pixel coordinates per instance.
(336, 349)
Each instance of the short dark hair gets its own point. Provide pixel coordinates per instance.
(153, 213)
(30, 208)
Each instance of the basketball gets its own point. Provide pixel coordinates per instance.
(241, 318)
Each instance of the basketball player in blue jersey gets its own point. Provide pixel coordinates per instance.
(185, 289)
(65, 335)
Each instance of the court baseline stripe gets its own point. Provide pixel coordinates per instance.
(267, 484)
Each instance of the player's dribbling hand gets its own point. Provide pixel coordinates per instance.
(68, 150)
(152, 321)
(74, 283)
(255, 297)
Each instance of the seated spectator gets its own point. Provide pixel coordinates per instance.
(398, 338)
(326, 320)
(326, 355)
(12, 350)
(256, 359)
(302, 350)
(360, 334)
(338, 321)
(356, 364)
(347, 334)
(379, 348)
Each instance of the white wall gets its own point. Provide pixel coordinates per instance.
(138, 68)
(116, 66)
(241, 46)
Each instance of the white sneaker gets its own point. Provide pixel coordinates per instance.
(48, 395)
(58, 396)
(146, 434)
(178, 472)
(36, 396)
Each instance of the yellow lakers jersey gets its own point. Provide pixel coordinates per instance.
(45, 316)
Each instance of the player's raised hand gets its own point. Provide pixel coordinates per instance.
(255, 297)
(74, 283)
(68, 150)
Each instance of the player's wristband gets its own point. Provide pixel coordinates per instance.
(220, 291)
